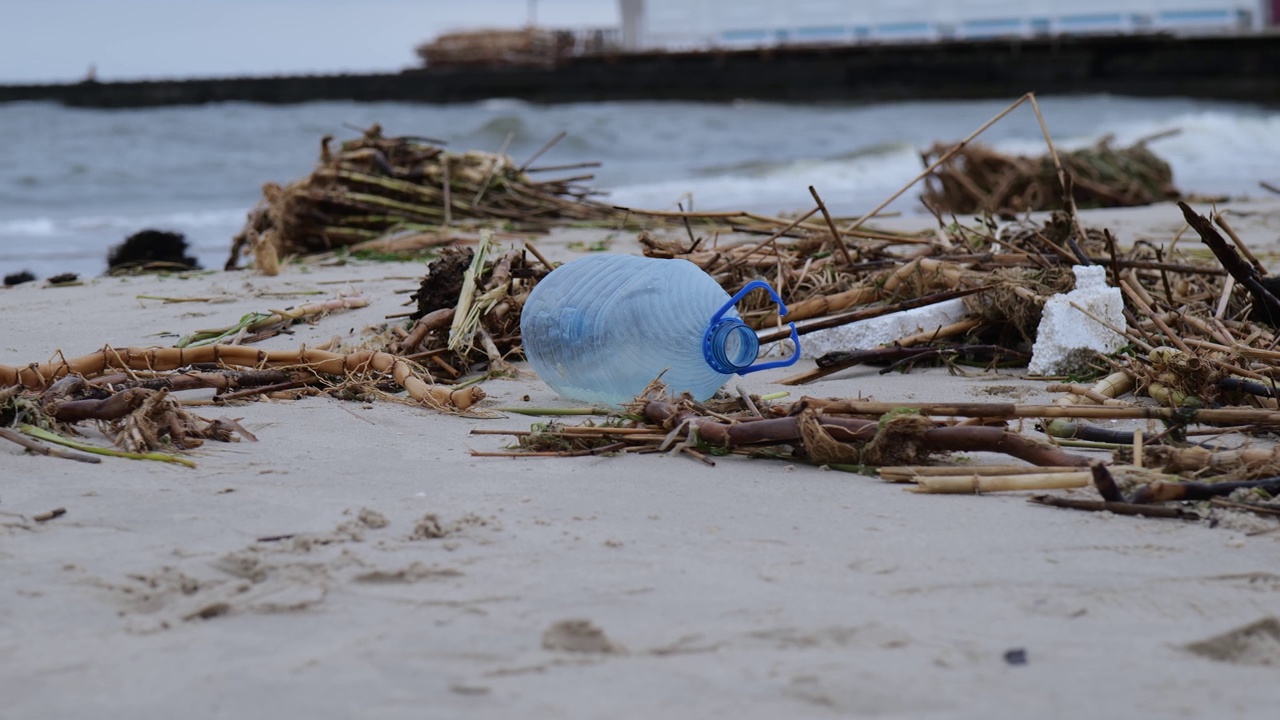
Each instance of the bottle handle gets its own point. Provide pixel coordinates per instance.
(782, 310)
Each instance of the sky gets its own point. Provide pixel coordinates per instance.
(58, 40)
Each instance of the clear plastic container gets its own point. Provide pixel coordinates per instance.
(601, 328)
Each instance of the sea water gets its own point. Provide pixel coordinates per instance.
(74, 182)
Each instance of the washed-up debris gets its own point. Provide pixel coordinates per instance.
(1192, 351)
(376, 186)
(151, 251)
(523, 46)
(129, 393)
(18, 278)
(257, 326)
(979, 179)
(468, 309)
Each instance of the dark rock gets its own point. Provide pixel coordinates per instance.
(154, 250)
(18, 278)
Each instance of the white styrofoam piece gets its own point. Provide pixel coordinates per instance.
(1066, 337)
(873, 332)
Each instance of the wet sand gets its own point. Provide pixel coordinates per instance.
(358, 562)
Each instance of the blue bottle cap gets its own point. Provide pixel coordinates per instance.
(729, 346)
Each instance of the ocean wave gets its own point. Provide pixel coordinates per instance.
(761, 168)
(1211, 151)
(41, 227)
(848, 184)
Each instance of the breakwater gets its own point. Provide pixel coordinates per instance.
(1237, 67)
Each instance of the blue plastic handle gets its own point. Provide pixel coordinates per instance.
(782, 310)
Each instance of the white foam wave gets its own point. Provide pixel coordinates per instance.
(847, 185)
(28, 227)
(1210, 152)
(40, 227)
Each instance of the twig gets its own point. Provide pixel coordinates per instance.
(542, 151)
(836, 238)
(39, 447)
(1161, 491)
(447, 189)
(1119, 508)
(47, 436)
(937, 163)
(498, 159)
(857, 315)
(1224, 503)
(534, 251)
(1266, 305)
(1206, 416)
(1136, 297)
(1221, 219)
(49, 515)
(975, 484)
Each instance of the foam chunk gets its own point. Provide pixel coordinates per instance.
(873, 332)
(1066, 337)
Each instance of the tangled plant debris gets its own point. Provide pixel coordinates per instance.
(376, 187)
(1199, 330)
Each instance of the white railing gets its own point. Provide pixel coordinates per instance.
(693, 24)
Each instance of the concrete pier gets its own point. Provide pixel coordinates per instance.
(1239, 67)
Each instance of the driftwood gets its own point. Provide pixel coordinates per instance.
(979, 179)
(1169, 491)
(404, 372)
(1209, 416)
(1118, 508)
(1266, 305)
(854, 430)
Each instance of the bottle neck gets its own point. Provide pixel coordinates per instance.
(730, 346)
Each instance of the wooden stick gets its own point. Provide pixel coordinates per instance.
(937, 163)
(1137, 299)
(945, 331)
(1161, 491)
(1085, 392)
(36, 446)
(772, 237)
(542, 151)
(1227, 287)
(910, 472)
(47, 436)
(1119, 508)
(1207, 416)
(975, 484)
(1224, 503)
(1221, 219)
(835, 233)
(498, 159)
(857, 315)
(1266, 305)
(38, 376)
(448, 189)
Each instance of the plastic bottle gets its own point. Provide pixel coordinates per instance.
(601, 328)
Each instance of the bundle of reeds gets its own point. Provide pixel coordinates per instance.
(1190, 317)
(375, 185)
(468, 309)
(524, 46)
(979, 179)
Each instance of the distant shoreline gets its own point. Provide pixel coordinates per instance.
(1222, 67)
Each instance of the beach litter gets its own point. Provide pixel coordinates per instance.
(1181, 340)
(376, 187)
(151, 251)
(979, 179)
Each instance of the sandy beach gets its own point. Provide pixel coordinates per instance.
(357, 561)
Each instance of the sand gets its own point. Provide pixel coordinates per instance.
(358, 562)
